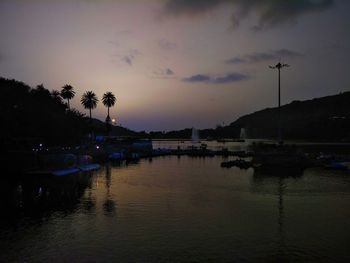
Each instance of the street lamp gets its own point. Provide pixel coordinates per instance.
(279, 66)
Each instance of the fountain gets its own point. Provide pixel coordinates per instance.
(195, 136)
(243, 134)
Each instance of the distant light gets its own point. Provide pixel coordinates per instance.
(97, 147)
(41, 145)
(113, 120)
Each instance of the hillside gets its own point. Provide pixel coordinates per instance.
(326, 118)
(34, 115)
(100, 128)
(319, 119)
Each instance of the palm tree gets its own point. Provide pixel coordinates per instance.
(89, 101)
(67, 93)
(108, 100)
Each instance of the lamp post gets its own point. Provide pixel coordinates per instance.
(278, 66)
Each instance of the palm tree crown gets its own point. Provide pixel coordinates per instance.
(108, 100)
(89, 101)
(67, 93)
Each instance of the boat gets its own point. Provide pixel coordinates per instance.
(89, 167)
(116, 156)
(63, 165)
(65, 172)
(335, 165)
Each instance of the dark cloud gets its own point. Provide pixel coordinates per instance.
(227, 78)
(130, 57)
(231, 77)
(164, 73)
(270, 12)
(264, 56)
(177, 7)
(166, 44)
(198, 78)
(168, 72)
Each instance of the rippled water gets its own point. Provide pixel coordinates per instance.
(176, 209)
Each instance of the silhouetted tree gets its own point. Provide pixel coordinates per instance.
(89, 101)
(55, 94)
(30, 115)
(108, 100)
(67, 93)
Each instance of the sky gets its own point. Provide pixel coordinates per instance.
(175, 64)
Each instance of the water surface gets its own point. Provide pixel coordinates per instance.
(176, 209)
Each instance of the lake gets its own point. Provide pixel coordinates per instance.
(176, 209)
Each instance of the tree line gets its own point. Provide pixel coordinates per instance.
(30, 116)
(89, 99)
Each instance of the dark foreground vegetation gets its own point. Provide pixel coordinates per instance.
(32, 116)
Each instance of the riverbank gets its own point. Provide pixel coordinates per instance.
(313, 154)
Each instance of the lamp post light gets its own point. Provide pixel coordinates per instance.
(279, 66)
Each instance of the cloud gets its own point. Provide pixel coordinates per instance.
(270, 12)
(130, 57)
(166, 44)
(164, 73)
(221, 79)
(168, 72)
(257, 57)
(178, 7)
(228, 78)
(197, 78)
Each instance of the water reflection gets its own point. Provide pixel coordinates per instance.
(36, 197)
(109, 205)
(282, 244)
(88, 204)
(274, 182)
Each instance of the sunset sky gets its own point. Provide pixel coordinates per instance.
(174, 64)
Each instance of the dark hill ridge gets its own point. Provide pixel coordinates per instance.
(319, 119)
(326, 118)
(100, 126)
